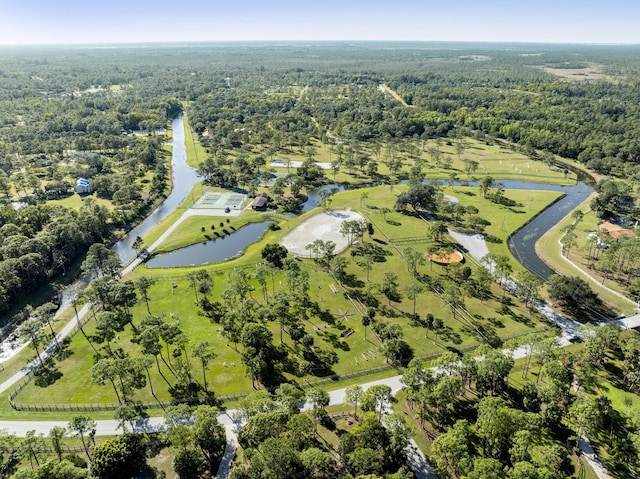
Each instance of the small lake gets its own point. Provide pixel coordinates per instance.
(214, 251)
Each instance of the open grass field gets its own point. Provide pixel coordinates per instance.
(172, 296)
(493, 160)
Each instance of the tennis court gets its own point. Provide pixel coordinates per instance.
(220, 200)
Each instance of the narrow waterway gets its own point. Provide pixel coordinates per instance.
(184, 178)
(523, 243)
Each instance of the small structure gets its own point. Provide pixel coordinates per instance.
(259, 203)
(615, 231)
(83, 186)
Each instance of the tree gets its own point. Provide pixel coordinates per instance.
(107, 326)
(119, 457)
(584, 416)
(436, 230)
(31, 445)
(209, 435)
(351, 395)
(528, 285)
(80, 426)
(338, 266)
(101, 260)
(398, 350)
(318, 400)
(144, 283)
(125, 414)
(352, 229)
(274, 254)
(492, 371)
(376, 398)
(31, 330)
(413, 259)
(572, 292)
(138, 244)
(45, 314)
(453, 297)
(203, 350)
(289, 397)
(56, 434)
(485, 184)
(486, 467)
(365, 461)
(318, 464)
(420, 197)
(389, 286)
(451, 451)
(413, 290)
(322, 197)
(188, 463)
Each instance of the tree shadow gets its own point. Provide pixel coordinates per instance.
(334, 340)
(352, 281)
(446, 333)
(46, 375)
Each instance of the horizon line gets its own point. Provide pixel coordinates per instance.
(312, 41)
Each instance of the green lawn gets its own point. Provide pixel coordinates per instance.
(197, 229)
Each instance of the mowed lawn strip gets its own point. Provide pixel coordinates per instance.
(549, 249)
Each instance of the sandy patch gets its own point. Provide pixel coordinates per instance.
(324, 226)
(474, 244)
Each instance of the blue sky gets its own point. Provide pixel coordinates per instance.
(90, 21)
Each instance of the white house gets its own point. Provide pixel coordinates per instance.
(83, 186)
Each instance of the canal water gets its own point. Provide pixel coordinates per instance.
(184, 178)
(213, 251)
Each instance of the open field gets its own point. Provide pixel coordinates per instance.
(493, 159)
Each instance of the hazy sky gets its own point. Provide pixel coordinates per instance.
(90, 21)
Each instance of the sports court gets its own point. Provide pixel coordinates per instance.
(221, 200)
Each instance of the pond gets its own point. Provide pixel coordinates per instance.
(214, 251)
(521, 244)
